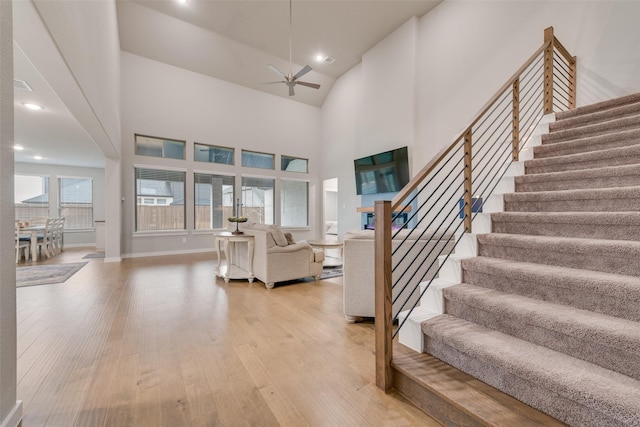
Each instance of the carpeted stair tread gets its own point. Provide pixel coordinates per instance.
(622, 138)
(590, 160)
(605, 177)
(574, 391)
(604, 340)
(611, 256)
(624, 123)
(599, 106)
(595, 225)
(607, 293)
(592, 199)
(595, 117)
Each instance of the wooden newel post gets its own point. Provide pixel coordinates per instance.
(468, 178)
(548, 70)
(383, 323)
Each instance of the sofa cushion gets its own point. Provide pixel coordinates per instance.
(278, 236)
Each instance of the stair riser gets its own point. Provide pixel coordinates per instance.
(593, 118)
(590, 259)
(600, 106)
(578, 183)
(577, 205)
(582, 230)
(581, 165)
(587, 348)
(586, 132)
(579, 147)
(560, 292)
(529, 392)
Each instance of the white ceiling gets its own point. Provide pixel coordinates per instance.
(233, 40)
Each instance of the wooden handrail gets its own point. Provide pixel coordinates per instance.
(572, 60)
(420, 176)
(563, 50)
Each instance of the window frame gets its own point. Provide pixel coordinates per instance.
(282, 204)
(273, 201)
(163, 156)
(60, 207)
(273, 159)
(136, 227)
(231, 149)
(46, 186)
(286, 156)
(233, 186)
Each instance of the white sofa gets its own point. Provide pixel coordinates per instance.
(358, 259)
(276, 259)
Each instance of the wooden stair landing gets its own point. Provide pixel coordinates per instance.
(455, 398)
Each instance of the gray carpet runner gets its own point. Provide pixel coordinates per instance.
(549, 312)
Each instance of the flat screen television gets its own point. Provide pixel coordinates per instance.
(383, 172)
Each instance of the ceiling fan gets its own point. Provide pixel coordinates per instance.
(290, 79)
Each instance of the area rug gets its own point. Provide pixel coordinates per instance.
(46, 274)
(331, 272)
(94, 255)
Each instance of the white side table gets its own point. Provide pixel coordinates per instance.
(233, 271)
(328, 244)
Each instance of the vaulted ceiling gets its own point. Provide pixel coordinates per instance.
(233, 40)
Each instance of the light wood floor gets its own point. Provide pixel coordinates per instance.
(161, 342)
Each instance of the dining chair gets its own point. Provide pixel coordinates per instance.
(45, 239)
(22, 246)
(57, 238)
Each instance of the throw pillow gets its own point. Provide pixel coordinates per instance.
(289, 238)
(278, 236)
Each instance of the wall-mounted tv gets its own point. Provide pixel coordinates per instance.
(383, 172)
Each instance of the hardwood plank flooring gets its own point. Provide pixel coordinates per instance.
(161, 342)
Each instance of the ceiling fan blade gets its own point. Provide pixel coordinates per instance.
(272, 83)
(275, 70)
(291, 92)
(302, 72)
(313, 85)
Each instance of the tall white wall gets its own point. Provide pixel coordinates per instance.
(169, 102)
(370, 109)
(10, 409)
(424, 83)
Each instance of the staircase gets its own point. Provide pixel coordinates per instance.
(549, 310)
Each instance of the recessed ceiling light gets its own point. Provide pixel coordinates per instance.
(37, 157)
(183, 1)
(18, 147)
(32, 106)
(319, 57)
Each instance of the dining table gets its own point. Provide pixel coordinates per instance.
(33, 230)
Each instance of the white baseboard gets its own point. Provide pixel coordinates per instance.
(113, 259)
(79, 245)
(14, 417)
(164, 253)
